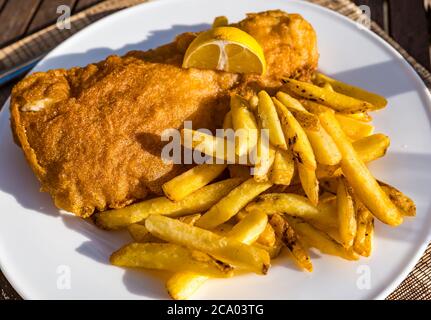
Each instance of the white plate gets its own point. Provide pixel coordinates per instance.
(40, 248)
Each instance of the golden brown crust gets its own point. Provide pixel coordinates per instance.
(92, 135)
(99, 147)
(289, 43)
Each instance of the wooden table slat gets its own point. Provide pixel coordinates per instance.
(6, 290)
(409, 27)
(2, 2)
(428, 8)
(83, 4)
(14, 19)
(47, 14)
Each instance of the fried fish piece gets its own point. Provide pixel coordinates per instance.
(92, 135)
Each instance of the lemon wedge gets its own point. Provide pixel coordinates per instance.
(227, 49)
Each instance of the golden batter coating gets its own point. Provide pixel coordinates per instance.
(92, 135)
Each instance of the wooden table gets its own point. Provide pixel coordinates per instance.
(407, 21)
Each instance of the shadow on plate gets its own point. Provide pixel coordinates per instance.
(99, 247)
(17, 179)
(155, 39)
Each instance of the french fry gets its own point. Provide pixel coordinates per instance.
(329, 185)
(283, 167)
(400, 200)
(223, 229)
(324, 148)
(232, 203)
(245, 125)
(296, 206)
(227, 121)
(192, 180)
(332, 99)
(327, 86)
(361, 116)
(239, 171)
(265, 155)
(225, 249)
(294, 187)
(307, 120)
(289, 101)
(309, 182)
(269, 120)
(328, 215)
(368, 149)
(346, 214)
(404, 203)
(358, 175)
(139, 233)
(372, 147)
(171, 257)
(228, 124)
(327, 197)
(364, 233)
(326, 219)
(302, 151)
(273, 251)
(320, 240)
(325, 171)
(267, 237)
(190, 219)
(199, 201)
(288, 203)
(296, 137)
(352, 91)
(333, 233)
(354, 129)
(182, 285)
(221, 149)
(253, 102)
(241, 214)
(291, 241)
(250, 228)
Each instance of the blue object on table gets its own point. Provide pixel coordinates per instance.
(15, 72)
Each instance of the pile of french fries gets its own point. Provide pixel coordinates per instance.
(310, 188)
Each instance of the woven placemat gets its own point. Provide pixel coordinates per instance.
(418, 283)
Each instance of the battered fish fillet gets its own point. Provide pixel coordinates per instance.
(92, 134)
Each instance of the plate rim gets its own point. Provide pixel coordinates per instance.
(406, 269)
